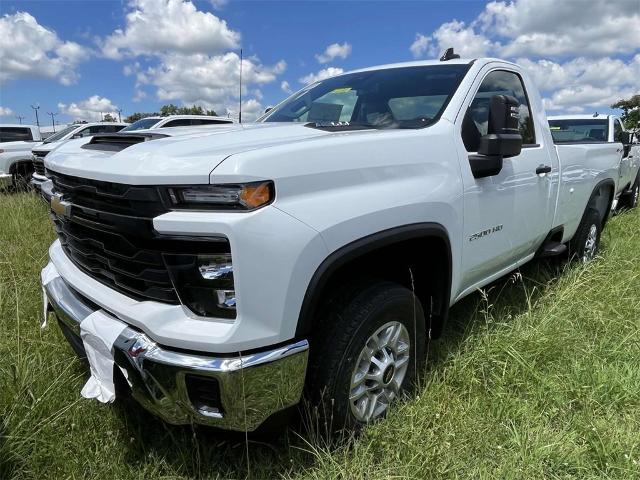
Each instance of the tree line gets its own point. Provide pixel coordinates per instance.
(167, 110)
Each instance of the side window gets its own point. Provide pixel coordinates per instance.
(617, 131)
(476, 120)
(183, 122)
(85, 132)
(213, 122)
(14, 134)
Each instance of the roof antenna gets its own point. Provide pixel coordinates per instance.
(449, 55)
(595, 115)
(240, 109)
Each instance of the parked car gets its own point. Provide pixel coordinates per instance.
(80, 130)
(599, 128)
(316, 250)
(16, 142)
(149, 123)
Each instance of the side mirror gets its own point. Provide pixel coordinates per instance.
(77, 135)
(626, 138)
(502, 140)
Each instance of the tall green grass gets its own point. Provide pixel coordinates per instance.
(538, 376)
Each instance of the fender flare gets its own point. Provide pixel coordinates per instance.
(362, 246)
(596, 190)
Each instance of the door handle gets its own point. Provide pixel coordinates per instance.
(543, 169)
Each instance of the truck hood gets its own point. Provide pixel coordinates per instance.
(180, 159)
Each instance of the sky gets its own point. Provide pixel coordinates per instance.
(81, 59)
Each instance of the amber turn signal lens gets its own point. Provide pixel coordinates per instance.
(256, 195)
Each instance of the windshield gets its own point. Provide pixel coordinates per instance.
(141, 124)
(58, 135)
(579, 130)
(406, 97)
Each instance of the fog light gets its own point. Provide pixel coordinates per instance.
(226, 299)
(215, 267)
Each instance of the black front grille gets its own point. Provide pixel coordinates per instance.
(38, 167)
(108, 233)
(38, 161)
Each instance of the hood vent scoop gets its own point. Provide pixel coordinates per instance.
(116, 142)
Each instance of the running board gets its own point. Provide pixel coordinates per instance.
(552, 249)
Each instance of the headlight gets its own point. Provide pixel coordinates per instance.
(204, 283)
(244, 196)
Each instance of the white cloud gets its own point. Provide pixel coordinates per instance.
(175, 26)
(464, 40)
(219, 4)
(550, 28)
(543, 36)
(30, 50)
(285, 87)
(186, 55)
(5, 111)
(584, 83)
(333, 51)
(210, 81)
(90, 109)
(419, 46)
(321, 75)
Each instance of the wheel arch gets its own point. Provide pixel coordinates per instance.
(602, 198)
(407, 241)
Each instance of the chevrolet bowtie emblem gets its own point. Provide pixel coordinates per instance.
(60, 206)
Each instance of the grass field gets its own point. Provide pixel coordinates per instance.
(537, 377)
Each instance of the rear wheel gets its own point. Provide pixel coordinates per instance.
(371, 348)
(630, 200)
(586, 242)
(22, 176)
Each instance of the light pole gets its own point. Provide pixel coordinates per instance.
(20, 117)
(35, 109)
(119, 112)
(53, 123)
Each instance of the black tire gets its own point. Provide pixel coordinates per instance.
(586, 242)
(349, 323)
(22, 177)
(630, 200)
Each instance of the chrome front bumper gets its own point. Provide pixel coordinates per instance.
(232, 392)
(37, 180)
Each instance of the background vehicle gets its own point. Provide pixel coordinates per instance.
(604, 129)
(16, 142)
(81, 130)
(318, 249)
(149, 123)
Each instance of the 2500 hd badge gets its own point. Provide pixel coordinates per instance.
(485, 233)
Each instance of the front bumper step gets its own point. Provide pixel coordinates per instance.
(232, 392)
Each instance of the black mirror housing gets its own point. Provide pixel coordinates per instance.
(502, 144)
(502, 140)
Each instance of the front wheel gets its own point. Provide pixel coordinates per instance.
(371, 349)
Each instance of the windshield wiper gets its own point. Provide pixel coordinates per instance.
(341, 126)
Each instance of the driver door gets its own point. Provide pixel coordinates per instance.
(508, 215)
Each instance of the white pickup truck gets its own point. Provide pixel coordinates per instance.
(314, 251)
(154, 123)
(16, 142)
(608, 132)
(77, 130)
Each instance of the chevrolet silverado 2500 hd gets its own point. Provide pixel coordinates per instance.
(16, 142)
(609, 132)
(316, 250)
